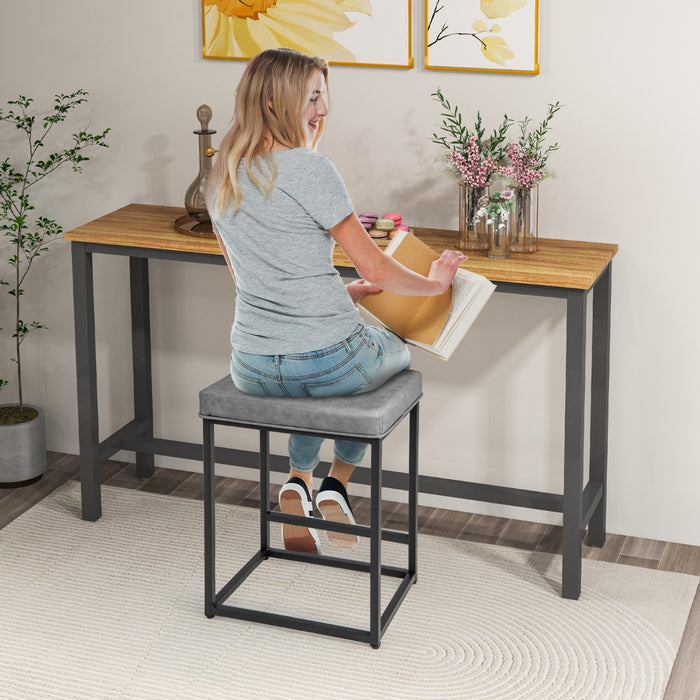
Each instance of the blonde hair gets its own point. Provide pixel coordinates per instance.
(271, 101)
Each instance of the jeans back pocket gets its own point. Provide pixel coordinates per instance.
(352, 380)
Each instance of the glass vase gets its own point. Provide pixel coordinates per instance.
(498, 236)
(195, 202)
(524, 226)
(472, 236)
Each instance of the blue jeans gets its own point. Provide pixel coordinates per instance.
(360, 363)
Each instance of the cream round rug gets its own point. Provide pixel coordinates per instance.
(114, 609)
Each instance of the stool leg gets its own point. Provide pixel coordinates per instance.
(375, 541)
(209, 520)
(264, 491)
(413, 493)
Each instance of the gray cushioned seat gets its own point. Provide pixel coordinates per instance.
(373, 414)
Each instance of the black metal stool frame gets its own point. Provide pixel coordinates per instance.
(379, 621)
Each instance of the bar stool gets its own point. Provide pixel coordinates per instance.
(370, 418)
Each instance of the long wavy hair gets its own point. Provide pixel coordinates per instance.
(271, 101)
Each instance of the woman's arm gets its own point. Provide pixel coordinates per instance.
(381, 269)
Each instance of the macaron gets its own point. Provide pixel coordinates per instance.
(367, 219)
(395, 217)
(377, 233)
(384, 224)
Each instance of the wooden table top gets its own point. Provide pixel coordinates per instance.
(558, 263)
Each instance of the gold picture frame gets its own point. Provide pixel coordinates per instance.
(346, 32)
(490, 36)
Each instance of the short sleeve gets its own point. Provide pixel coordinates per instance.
(320, 190)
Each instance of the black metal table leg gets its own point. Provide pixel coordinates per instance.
(141, 356)
(209, 518)
(264, 491)
(573, 442)
(86, 371)
(375, 543)
(413, 491)
(600, 384)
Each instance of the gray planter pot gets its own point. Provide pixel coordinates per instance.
(23, 450)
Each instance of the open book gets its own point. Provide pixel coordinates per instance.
(435, 324)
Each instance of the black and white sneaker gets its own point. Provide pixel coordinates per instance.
(332, 501)
(295, 499)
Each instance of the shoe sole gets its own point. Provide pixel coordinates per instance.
(332, 510)
(296, 537)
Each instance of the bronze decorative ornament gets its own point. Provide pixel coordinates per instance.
(197, 222)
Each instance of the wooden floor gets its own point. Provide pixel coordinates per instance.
(653, 554)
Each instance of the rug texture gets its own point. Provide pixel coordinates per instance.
(114, 609)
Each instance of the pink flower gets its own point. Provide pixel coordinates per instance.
(524, 170)
(473, 170)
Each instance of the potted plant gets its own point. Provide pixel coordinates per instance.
(22, 438)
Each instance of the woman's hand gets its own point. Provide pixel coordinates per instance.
(445, 268)
(359, 288)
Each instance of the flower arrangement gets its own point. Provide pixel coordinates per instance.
(476, 161)
(528, 156)
(473, 159)
(496, 207)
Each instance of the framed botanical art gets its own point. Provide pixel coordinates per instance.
(497, 36)
(346, 32)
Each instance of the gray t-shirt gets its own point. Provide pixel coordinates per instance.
(290, 298)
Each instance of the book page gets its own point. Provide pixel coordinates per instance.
(463, 287)
(471, 292)
(413, 318)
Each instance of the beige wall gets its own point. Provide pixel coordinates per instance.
(625, 174)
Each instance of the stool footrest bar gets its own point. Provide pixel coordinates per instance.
(337, 562)
(276, 516)
(295, 623)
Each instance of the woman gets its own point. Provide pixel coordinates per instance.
(277, 208)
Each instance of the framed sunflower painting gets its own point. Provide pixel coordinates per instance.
(345, 32)
(495, 36)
